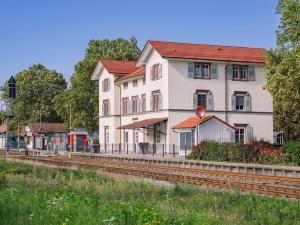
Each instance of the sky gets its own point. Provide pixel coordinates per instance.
(56, 32)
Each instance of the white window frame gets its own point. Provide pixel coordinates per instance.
(202, 70)
(237, 135)
(244, 102)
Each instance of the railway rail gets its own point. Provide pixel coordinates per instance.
(261, 184)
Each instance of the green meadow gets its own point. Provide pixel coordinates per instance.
(40, 196)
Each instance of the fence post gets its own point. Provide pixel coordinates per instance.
(173, 150)
(185, 151)
(163, 150)
(127, 148)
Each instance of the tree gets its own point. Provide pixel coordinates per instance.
(81, 100)
(283, 70)
(36, 88)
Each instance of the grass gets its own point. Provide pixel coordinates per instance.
(39, 195)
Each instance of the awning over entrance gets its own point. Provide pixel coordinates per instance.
(143, 123)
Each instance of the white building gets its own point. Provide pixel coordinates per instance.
(140, 102)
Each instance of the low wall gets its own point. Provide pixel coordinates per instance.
(268, 170)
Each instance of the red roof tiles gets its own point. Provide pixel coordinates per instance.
(208, 52)
(195, 120)
(138, 72)
(119, 66)
(143, 123)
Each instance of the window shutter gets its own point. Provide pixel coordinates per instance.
(159, 71)
(151, 73)
(151, 102)
(249, 133)
(103, 86)
(128, 107)
(229, 72)
(122, 111)
(251, 73)
(233, 103)
(160, 101)
(214, 71)
(232, 136)
(108, 113)
(210, 101)
(248, 102)
(108, 84)
(191, 70)
(195, 100)
(102, 109)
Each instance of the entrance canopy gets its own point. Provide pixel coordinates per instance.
(143, 123)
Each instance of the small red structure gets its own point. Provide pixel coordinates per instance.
(77, 140)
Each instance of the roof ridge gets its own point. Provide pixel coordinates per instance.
(217, 45)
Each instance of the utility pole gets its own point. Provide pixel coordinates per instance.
(18, 133)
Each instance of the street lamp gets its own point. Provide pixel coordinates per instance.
(12, 96)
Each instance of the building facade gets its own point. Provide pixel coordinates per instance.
(140, 102)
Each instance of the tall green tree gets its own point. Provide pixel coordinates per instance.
(36, 88)
(81, 101)
(283, 70)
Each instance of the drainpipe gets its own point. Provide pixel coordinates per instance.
(120, 108)
(226, 94)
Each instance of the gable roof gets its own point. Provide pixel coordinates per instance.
(140, 71)
(118, 66)
(47, 127)
(196, 120)
(143, 123)
(206, 52)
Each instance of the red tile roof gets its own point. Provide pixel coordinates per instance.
(143, 123)
(119, 66)
(208, 52)
(195, 120)
(47, 128)
(138, 72)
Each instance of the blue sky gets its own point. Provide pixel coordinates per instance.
(56, 32)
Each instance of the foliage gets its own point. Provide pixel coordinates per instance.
(38, 195)
(255, 152)
(36, 88)
(292, 151)
(82, 97)
(283, 70)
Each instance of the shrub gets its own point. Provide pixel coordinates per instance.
(292, 152)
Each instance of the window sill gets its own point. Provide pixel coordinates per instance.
(240, 80)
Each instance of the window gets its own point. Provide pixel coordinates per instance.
(106, 108)
(240, 72)
(157, 136)
(136, 136)
(105, 85)
(143, 103)
(134, 102)
(202, 99)
(156, 100)
(240, 135)
(156, 71)
(201, 70)
(135, 83)
(125, 106)
(125, 85)
(144, 81)
(240, 102)
(185, 140)
(126, 137)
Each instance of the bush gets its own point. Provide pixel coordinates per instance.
(256, 151)
(292, 152)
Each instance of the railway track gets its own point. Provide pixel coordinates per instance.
(266, 185)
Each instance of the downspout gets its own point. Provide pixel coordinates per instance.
(226, 94)
(120, 108)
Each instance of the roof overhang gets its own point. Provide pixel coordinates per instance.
(147, 50)
(144, 123)
(97, 71)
